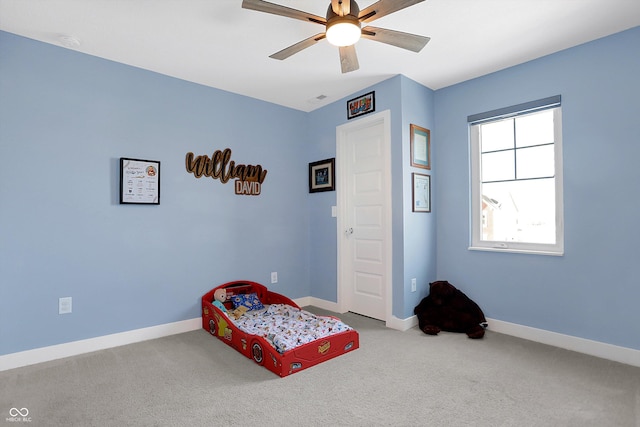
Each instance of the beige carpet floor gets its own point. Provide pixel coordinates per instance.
(393, 379)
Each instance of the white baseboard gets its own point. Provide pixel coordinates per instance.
(599, 349)
(320, 303)
(402, 324)
(624, 355)
(59, 351)
(74, 348)
(306, 301)
(394, 323)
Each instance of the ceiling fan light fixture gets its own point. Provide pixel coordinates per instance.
(343, 27)
(343, 32)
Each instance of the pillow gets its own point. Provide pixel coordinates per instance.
(251, 301)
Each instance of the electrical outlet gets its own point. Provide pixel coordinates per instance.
(64, 305)
(274, 277)
(413, 285)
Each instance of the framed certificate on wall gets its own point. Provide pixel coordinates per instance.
(421, 192)
(420, 147)
(139, 181)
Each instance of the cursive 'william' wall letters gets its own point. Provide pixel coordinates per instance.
(220, 166)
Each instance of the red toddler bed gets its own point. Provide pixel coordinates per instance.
(273, 330)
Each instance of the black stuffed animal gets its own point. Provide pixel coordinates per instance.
(449, 309)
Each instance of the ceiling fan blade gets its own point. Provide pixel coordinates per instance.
(348, 59)
(412, 42)
(295, 48)
(341, 7)
(384, 7)
(276, 9)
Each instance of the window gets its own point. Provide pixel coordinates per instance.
(516, 178)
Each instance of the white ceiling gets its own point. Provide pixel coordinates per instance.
(217, 43)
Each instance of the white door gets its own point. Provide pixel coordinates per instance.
(363, 168)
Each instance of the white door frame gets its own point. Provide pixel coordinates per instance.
(341, 138)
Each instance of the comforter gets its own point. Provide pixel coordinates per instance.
(286, 327)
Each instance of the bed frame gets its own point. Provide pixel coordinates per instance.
(257, 348)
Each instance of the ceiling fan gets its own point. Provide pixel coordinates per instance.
(343, 27)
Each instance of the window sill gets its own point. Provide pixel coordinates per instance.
(516, 250)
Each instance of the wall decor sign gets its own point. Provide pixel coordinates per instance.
(248, 178)
(361, 105)
(322, 176)
(139, 181)
(420, 147)
(421, 192)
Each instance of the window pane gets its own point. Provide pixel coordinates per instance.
(534, 129)
(519, 211)
(498, 166)
(535, 162)
(516, 187)
(496, 135)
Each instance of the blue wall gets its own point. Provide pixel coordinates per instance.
(413, 234)
(593, 290)
(419, 229)
(66, 120)
(67, 117)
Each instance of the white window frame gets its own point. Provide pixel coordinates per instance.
(476, 242)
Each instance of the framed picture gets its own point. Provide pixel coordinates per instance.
(139, 181)
(420, 147)
(421, 192)
(322, 176)
(364, 104)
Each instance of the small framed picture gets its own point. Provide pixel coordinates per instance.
(322, 176)
(421, 192)
(361, 105)
(420, 147)
(139, 181)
